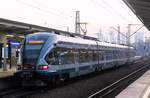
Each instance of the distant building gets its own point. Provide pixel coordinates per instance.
(122, 38)
(112, 37)
(139, 37)
(140, 44)
(100, 36)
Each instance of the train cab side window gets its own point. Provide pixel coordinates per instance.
(60, 56)
(51, 58)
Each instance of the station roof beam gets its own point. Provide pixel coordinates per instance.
(141, 8)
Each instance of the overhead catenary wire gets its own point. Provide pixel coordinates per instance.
(109, 8)
(115, 11)
(43, 10)
(126, 8)
(56, 10)
(100, 5)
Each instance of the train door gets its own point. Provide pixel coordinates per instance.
(76, 59)
(1, 45)
(101, 57)
(59, 57)
(90, 58)
(105, 59)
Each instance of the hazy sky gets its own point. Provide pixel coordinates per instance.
(60, 14)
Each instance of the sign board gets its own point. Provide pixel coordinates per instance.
(15, 43)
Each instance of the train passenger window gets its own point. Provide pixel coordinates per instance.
(83, 56)
(95, 55)
(118, 54)
(109, 55)
(67, 56)
(115, 54)
(101, 55)
(121, 53)
(90, 54)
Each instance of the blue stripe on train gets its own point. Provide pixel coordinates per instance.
(84, 67)
(66, 70)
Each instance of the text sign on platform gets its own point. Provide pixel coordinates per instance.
(15, 43)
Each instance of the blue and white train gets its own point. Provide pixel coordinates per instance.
(46, 58)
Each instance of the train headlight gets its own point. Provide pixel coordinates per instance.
(18, 67)
(43, 67)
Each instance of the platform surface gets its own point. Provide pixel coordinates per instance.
(138, 89)
(9, 72)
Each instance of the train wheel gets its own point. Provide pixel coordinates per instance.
(66, 77)
(98, 69)
(53, 82)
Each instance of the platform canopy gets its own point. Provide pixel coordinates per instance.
(141, 8)
(15, 27)
(11, 27)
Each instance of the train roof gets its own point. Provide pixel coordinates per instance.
(61, 40)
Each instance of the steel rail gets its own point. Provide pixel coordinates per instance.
(101, 93)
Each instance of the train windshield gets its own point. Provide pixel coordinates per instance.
(33, 47)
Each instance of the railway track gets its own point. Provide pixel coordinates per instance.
(103, 93)
(18, 92)
(8, 91)
(111, 90)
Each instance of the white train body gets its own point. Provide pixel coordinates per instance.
(45, 56)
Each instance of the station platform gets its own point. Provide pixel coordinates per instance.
(9, 72)
(138, 89)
